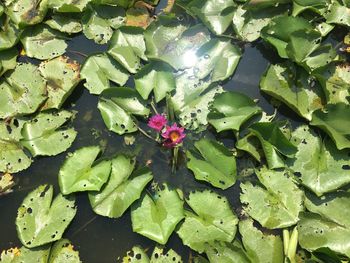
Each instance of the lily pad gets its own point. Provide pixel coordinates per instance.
(211, 220)
(277, 202)
(230, 110)
(138, 255)
(138, 17)
(157, 77)
(6, 183)
(320, 164)
(78, 172)
(274, 143)
(22, 91)
(292, 85)
(40, 220)
(68, 6)
(216, 166)
(338, 14)
(118, 106)
(8, 60)
(227, 253)
(127, 46)
(42, 42)
(44, 136)
(334, 120)
(318, 6)
(9, 33)
(65, 24)
(99, 70)
(62, 75)
(215, 14)
(156, 217)
(122, 188)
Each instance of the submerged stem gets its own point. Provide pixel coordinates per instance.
(175, 158)
(146, 134)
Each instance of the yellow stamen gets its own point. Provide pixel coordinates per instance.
(174, 136)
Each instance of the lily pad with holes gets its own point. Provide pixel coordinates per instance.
(44, 135)
(64, 24)
(8, 60)
(159, 255)
(274, 143)
(292, 85)
(334, 120)
(121, 190)
(118, 106)
(212, 220)
(127, 46)
(22, 91)
(275, 203)
(227, 252)
(321, 166)
(230, 110)
(79, 173)
(338, 14)
(42, 42)
(62, 75)
(216, 164)
(99, 70)
(157, 77)
(156, 217)
(41, 220)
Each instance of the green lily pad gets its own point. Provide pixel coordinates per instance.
(230, 110)
(318, 6)
(118, 106)
(138, 255)
(44, 136)
(78, 172)
(62, 75)
(334, 120)
(157, 77)
(65, 24)
(260, 247)
(335, 81)
(62, 251)
(41, 220)
(320, 164)
(127, 46)
(274, 143)
(338, 14)
(27, 12)
(99, 70)
(211, 220)
(42, 42)
(215, 14)
(22, 91)
(216, 166)
(121, 190)
(258, 4)
(156, 217)
(292, 85)
(227, 253)
(69, 6)
(277, 202)
(8, 60)
(9, 33)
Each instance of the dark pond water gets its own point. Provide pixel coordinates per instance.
(101, 239)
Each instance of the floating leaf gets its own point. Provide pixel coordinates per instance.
(62, 251)
(99, 21)
(230, 110)
(338, 14)
(258, 4)
(127, 46)
(275, 204)
(274, 143)
(117, 107)
(43, 136)
(156, 217)
(334, 120)
(9, 33)
(99, 70)
(216, 166)
(78, 173)
(68, 6)
(137, 254)
(138, 17)
(42, 42)
(212, 220)
(335, 81)
(321, 166)
(215, 14)
(62, 75)
(64, 24)
(292, 86)
(40, 220)
(227, 253)
(6, 183)
(260, 247)
(27, 12)
(122, 188)
(155, 76)
(8, 60)
(22, 92)
(318, 6)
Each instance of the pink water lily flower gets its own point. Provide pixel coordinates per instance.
(173, 135)
(157, 122)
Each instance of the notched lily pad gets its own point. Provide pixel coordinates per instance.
(159, 255)
(216, 166)
(41, 220)
(64, 24)
(78, 172)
